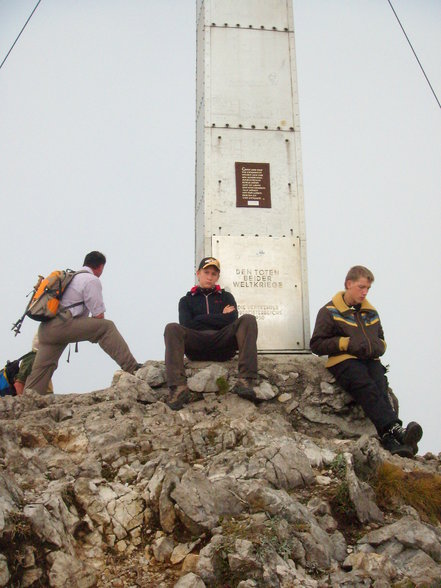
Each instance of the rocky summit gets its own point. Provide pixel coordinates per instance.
(112, 488)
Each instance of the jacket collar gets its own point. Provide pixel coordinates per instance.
(198, 290)
(342, 307)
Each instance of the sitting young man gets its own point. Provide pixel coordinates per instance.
(349, 331)
(209, 329)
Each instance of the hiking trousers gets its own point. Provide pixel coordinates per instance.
(211, 345)
(55, 335)
(366, 382)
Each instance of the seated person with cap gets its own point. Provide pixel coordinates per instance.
(209, 329)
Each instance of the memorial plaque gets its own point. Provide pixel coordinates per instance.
(253, 185)
(264, 276)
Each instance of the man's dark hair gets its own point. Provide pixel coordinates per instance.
(94, 259)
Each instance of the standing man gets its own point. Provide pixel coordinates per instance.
(348, 330)
(209, 329)
(82, 297)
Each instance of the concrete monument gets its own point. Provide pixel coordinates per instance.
(249, 193)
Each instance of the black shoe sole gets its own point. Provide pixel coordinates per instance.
(413, 434)
(403, 451)
(250, 395)
(179, 402)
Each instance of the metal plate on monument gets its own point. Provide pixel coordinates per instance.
(264, 276)
(253, 185)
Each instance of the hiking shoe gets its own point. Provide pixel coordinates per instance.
(408, 436)
(245, 389)
(389, 442)
(178, 397)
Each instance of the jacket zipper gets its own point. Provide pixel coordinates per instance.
(364, 332)
(206, 302)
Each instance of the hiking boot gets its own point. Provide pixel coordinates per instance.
(245, 389)
(389, 442)
(137, 367)
(408, 436)
(178, 397)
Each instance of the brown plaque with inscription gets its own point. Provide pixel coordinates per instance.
(253, 185)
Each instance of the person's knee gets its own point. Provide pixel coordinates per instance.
(172, 330)
(248, 320)
(107, 326)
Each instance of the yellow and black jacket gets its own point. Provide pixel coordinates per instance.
(342, 332)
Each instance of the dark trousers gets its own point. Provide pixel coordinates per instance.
(211, 346)
(366, 382)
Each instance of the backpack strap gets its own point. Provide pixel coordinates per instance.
(72, 305)
(75, 303)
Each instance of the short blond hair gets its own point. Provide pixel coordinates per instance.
(357, 272)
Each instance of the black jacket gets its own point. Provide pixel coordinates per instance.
(202, 310)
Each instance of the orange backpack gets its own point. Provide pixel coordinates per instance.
(46, 296)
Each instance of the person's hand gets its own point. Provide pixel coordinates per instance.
(19, 388)
(229, 308)
(358, 348)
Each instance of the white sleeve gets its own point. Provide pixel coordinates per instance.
(93, 297)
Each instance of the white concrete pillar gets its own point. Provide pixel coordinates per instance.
(249, 210)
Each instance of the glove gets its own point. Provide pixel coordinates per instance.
(378, 348)
(360, 350)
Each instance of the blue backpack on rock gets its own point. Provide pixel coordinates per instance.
(7, 376)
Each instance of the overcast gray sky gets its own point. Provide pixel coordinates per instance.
(97, 131)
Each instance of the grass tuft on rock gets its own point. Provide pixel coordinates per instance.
(421, 490)
(339, 497)
(222, 385)
(270, 537)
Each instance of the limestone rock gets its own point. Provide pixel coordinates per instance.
(293, 405)
(85, 477)
(67, 570)
(207, 566)
(361, 495)
(418, 567)
(317, 456)
(283, 464)
(30, 577)
(129, 383)
(190, 581)
(410, 533)
(181, 551)
(264, 391)
(153, 374)
(4, 571)
(199, 502)
(206, 379)
(190, 563)
(285, 397)
(372, 564)
(340, 546)
(163, 548)
(45, 526)
(10, 497)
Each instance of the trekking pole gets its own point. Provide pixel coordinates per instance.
(17, 325)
